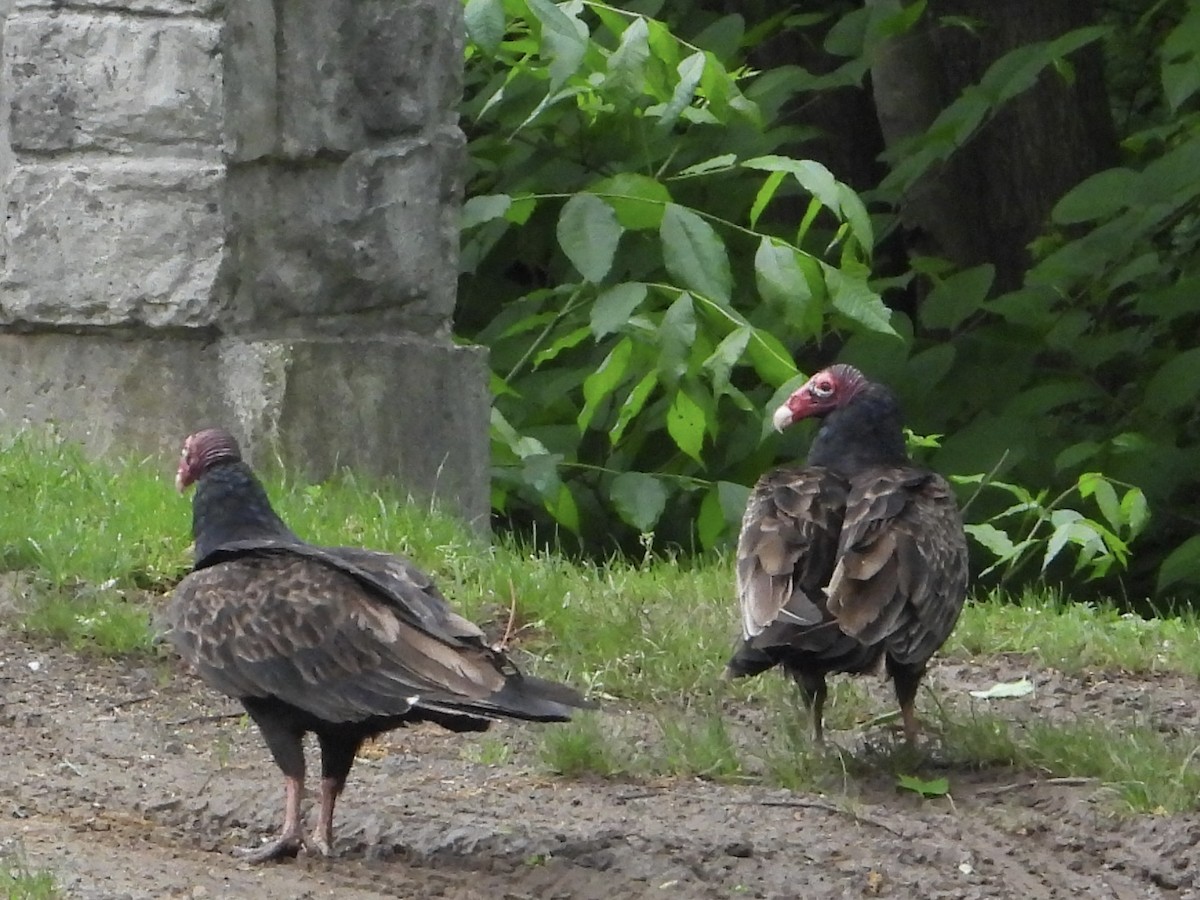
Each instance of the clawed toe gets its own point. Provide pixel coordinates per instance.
(283, 847)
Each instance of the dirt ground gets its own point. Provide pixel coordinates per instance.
(131, 782)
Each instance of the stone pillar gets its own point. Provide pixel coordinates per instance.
(244, 213)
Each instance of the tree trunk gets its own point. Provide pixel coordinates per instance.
(994, 195)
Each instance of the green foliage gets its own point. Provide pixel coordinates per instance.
(646, 253)
(20, 882)
(641, 300)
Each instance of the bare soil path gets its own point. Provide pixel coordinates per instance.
(128, 782)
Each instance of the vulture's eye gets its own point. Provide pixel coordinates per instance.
(823, 390)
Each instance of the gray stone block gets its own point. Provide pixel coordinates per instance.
(117, 396)
(205, 8)
(327, 78)
(364, 245)
(411, 409)
(86, 81)
(112, 242)
(250, 81)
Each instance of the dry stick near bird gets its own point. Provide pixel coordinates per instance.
(857, 556)
(342, 642)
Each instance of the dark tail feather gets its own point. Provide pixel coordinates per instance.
(748, 660)
(539, 700)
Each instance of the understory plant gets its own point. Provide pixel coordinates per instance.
(654, 261)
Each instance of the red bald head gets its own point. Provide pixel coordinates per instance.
(824, 392)
(203, 450)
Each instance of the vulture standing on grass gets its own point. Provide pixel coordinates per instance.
(342, 642)
(857, 555)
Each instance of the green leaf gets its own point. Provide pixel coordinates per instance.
(850, 295)
(1181, 564)
(685, 424)
(564, 36)
(856, 216)
(588, 232)
(676, 336)
(767, 191)
(1097, 197)
(483, 208)
(626, 71)
(614, 306)
(689, 71)
(633, 405)
(953, 299)
(563, 342)
(564, 509)
(1135, 511)
(601, 383)
(992, 539)
(1094, 484)
(781, 282)
(485, 23)
(694, 253)
(639, 499)
(1181, 59)
(728, 353)
(1176, 385)
(721, 512)
(638, 200)
(716, 164)
(770, 358)
(937, 787)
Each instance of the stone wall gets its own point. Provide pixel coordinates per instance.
(240, 212)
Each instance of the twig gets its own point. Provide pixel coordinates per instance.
(210, 717)
(120, 704)
(824, 807)
(512, 618)
(1020, 785)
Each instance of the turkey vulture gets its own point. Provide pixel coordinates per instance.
(857, 555)
(342, 642)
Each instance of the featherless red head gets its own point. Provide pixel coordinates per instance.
(203, 450)
(825, 391)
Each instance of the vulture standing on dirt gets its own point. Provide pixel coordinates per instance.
(342, 642)
(857, 555)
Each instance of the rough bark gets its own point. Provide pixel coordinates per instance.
(995, 194)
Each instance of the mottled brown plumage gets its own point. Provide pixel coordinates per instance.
(339, 641)
(855, 557)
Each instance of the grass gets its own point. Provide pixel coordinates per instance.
(101, 544)
(19, 882)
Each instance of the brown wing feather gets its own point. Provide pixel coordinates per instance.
(901, 574)
(288, 626)
(786, 547)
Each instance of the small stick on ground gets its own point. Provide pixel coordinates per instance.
(131, 701)
(503, 643)
(1038, 782)
(210, 717)
(825, 807)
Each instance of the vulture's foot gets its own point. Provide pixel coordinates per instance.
(286, 846)
(319, 845)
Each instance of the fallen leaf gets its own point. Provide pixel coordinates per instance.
(1006, 690)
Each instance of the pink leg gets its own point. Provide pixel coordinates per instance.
(291, 837)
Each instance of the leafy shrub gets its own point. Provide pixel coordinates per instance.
(646, 257)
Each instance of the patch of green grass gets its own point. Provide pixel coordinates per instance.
(1146, 770)
(19, 882)
(586, 746)
(488, 751)
(1073, 637)
(91, 620)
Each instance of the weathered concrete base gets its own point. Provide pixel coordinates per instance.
(298, 399)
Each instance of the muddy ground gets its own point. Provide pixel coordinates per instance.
(130, 781)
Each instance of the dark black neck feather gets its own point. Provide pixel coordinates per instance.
(231, 505)
(866, 432)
